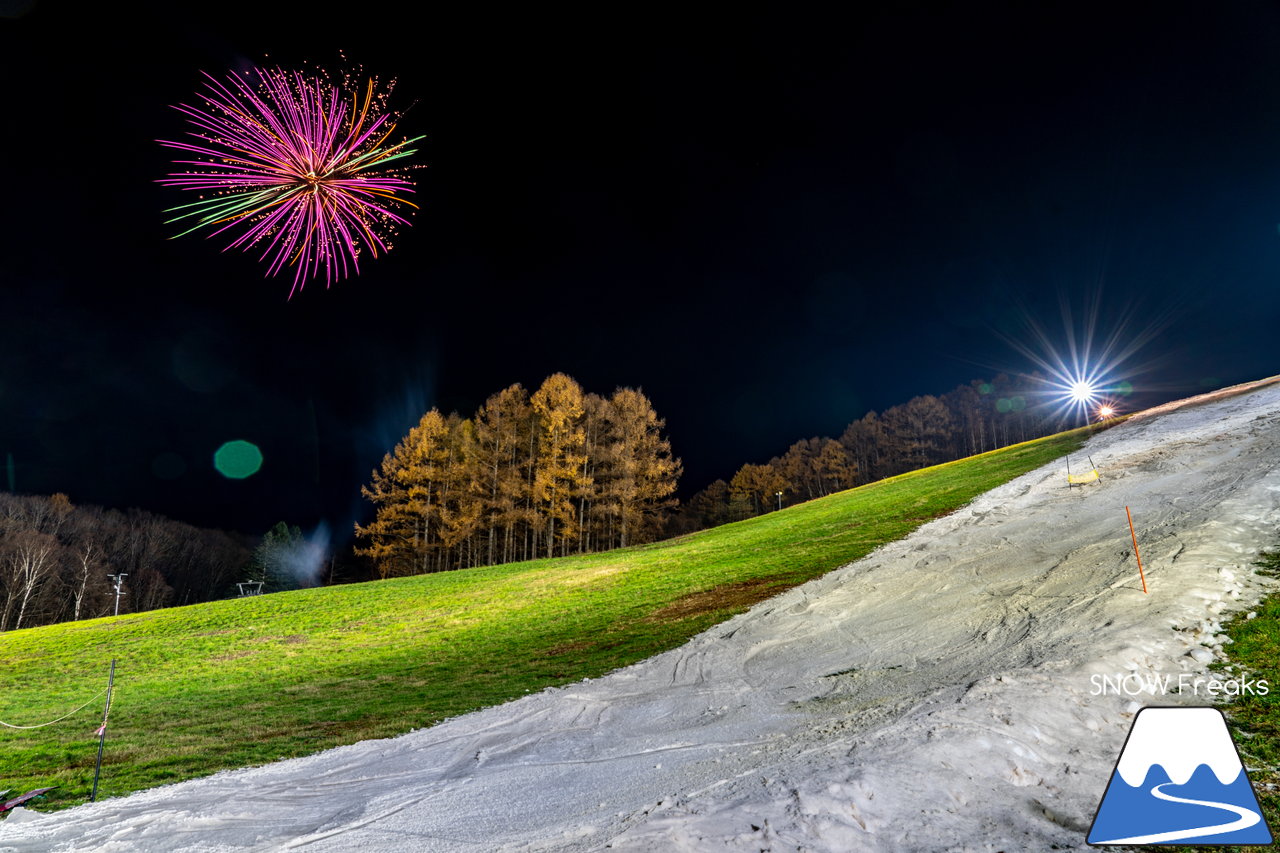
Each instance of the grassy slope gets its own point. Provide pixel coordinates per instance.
(242, 682)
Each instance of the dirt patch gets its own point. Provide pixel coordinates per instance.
(291, 639)
(225, 656)
(566, 648)
(339, 727)
(742, 594)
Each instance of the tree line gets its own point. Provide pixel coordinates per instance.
(927, 430)
(56, 560)
(555, 472)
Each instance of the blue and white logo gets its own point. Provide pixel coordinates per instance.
(1179, 780)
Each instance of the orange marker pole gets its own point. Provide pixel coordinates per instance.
(1135, 549)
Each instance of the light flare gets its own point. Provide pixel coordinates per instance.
(1080, 368)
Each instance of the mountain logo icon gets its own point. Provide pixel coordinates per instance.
(1179, 780)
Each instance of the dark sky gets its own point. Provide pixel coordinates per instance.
(770, 223)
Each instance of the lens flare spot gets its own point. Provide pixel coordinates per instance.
(238, 459)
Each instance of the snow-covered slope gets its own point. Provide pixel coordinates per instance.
(936, 695)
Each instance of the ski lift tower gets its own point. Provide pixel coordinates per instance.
(118, 581)
(248, 588)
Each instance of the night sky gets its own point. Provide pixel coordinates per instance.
(771, 224)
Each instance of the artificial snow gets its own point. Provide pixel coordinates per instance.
(940, 694)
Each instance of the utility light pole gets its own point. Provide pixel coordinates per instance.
(118, 580)
(779, 494)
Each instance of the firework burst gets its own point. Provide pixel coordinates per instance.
(295, 166)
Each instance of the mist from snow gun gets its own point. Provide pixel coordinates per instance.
(303, 562)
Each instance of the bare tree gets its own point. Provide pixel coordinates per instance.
(28, 559)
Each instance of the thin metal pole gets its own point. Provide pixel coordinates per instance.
(102, 732)
(119, 579)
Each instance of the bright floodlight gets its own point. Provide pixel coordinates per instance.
(1082, 391)
(1105, 412)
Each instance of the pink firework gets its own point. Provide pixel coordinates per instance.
(295, 166)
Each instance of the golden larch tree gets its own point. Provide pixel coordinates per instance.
(559, 475)
(643, 473)
(406, 490)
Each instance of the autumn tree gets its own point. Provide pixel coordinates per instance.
(707, 508)
(560, 467)
(864, 441)
(758, 486)
(406, 490)
(596, 503)
(834, 467)
(461, 495)
(503, 430)
(968, 432)
(917, 434)
(972, 418)
(815, 467)
(548, 473)
(641, 473)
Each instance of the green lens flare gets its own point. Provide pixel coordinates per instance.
(238, 459)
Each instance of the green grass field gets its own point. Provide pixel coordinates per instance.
(242, 682)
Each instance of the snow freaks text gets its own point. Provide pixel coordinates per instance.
(1138, 684)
